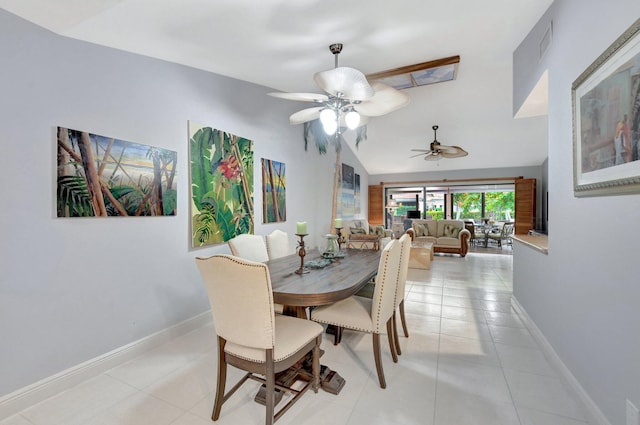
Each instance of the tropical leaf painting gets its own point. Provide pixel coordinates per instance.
(274, 207)
(221, 185)
(100, 176)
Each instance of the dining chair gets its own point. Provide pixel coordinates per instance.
(369, 315)
(249, 247)
(277, 244)
(403, 270)
(251, 337)
(398, 305)
(504, 234)
(253, 248)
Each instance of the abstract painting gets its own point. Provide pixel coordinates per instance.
(274, 206)
(221, 185)
(99, 176)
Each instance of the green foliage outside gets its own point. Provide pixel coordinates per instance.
(498, 205)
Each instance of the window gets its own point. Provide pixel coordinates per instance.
(463, 202)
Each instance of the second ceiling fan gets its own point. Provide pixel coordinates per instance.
(437, 150)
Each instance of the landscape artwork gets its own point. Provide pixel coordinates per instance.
(347, 189)
(221, 166)
(274, 196)
(100, 176)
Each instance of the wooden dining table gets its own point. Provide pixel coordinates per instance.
(339, 280)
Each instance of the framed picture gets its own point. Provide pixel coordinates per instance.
(606, 121)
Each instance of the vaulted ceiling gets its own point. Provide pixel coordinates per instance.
(281, 44)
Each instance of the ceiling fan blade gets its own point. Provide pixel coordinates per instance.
(301, 97)
(449, 149)
(420, 150)
(305, 115)
(433, 157)
(459, 153)
(418, 154)
(344, 82)
(385, 100)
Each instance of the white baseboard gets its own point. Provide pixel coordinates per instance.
(595, 414)
(19, 400)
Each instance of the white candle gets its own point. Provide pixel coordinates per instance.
(301, 228)
(337, 223)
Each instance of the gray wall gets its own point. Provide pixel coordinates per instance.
(584, 295)
(74, 289)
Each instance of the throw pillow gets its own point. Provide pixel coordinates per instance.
(379, 230)
(421, 230)
(357, 231)
(451, 231)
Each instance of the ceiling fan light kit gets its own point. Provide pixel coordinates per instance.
(348, 101)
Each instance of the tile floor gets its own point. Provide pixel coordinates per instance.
(468, 360)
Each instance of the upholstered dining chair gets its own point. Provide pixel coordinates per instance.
(277, 244)
(369, 314)
(398, 305)
(251, 337)
(249, 247)
(403, 270)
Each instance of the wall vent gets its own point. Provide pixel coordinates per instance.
(545, 42)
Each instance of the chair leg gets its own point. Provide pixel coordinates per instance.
(376, 356)
(403, 319)
(337, 336)
(395, 335)
(392, 345)
(222, 379)
(315, 365)
(271, 387)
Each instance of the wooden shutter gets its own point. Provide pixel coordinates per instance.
(525, 205)
(376, 207)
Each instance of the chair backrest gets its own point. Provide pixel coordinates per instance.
(241, 299)
(403, 270)
(384, 294)
(277, 244)
(507, 230)
(249, 247)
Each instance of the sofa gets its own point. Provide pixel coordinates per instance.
(353, 229)
(447, 236)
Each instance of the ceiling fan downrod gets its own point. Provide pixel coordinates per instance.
(336, 48)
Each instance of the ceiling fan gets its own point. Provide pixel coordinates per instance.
(349, 98)
(437, 151)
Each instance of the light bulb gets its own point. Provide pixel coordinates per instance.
(330, 126)
(352, 118)
(327, 116)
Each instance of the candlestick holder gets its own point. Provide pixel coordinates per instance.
(339, 233)
(301, 252)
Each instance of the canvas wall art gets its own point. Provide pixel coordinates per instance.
(347, 189)
(356, 191)
(274, 205)
(606, 118)
(100, 176)
(221, 185)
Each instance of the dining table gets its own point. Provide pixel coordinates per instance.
(341, 277)
(324, 281)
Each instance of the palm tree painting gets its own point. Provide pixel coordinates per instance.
(221, 185)
(274, 207)
(100, 176)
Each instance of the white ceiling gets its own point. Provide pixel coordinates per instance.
(281, 44)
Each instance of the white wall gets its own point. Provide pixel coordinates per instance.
(584, 296)
(73, 289)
